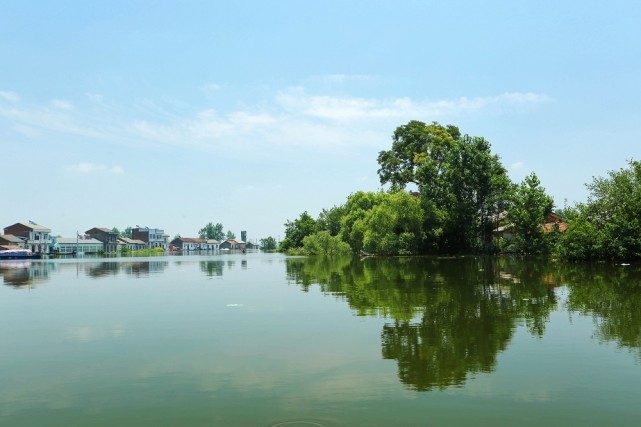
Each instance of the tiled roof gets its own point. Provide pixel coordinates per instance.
(35, 226)
(10, 238)
(192, 240)
(131, 241)
(103, 229)
(549, 227)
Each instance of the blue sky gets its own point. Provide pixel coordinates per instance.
(174, 114)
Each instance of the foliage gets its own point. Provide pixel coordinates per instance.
(530, 205)
(352, 228)
(394, 225)
(230, 235)
(608, 226)
(447, 318)
(295, 231)
(330, 220)
(415, 145)
(211, 231)
(115, 230)
(268, 243)
(145, 252)
(462, 185)
(127, 232)
(323, 243)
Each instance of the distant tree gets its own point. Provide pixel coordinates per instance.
(383, 223)
(177, 236)
(323, 243)
(462, 185)
(268, 243)
(330, 220)
(211, 231)
(115, 230)
(530, 206)
(230, 235)
(608, 226)
(295, 231)
(394, 225)
(352, 223)
(127, 233)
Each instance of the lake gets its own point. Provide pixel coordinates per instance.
(267, 340)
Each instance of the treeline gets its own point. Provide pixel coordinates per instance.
(449, 194)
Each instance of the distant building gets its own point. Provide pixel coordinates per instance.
(233, 244)
(213, 245)
(132, 244)
(37, 238)
(108, 238)
(9, 241)
(71, 245)
(189, 243)
(195, 244)
(153, 237)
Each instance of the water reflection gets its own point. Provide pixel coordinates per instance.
(32, 273)
(24, 273)
(450, 318)
(445, 319)
(212, 268)
(611, 294)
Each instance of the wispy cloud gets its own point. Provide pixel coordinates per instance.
(212, 87)
(342, 78)
(9, 96)
(517, 166)
(293, 117)
(350, 109)
(87, 168)
(62, 104)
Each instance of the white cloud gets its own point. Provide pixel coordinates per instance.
(62, 104)
(95, 97)
(517, 166)
(212, 87)
(9, 96)
(93, 168)
(293, 117)
(350, 109)
(342, 78)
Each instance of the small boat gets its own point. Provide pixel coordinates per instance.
(18, 254)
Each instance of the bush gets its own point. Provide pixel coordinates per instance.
(323, 243)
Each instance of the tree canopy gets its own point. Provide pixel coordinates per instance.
(608, 225)
(448, 193)
(211, 231)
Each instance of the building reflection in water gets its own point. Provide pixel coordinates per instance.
(25, 273)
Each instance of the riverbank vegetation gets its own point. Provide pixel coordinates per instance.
(142, 252)
(447, 193)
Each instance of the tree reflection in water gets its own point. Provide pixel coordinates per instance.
(449, 317)
(611, 294)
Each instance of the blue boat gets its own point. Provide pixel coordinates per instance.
(18, 254)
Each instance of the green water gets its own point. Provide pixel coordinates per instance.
(265, 340)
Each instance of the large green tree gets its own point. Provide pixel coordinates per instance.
(297, 230)
(212, 231)
(394, 226)
(608, 226)
(268, 243)
(462, 185)
(530, 206)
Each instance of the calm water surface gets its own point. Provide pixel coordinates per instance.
(265, 340)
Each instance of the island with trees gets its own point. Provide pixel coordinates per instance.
(448, 193)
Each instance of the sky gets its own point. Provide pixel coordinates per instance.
(174, 114)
